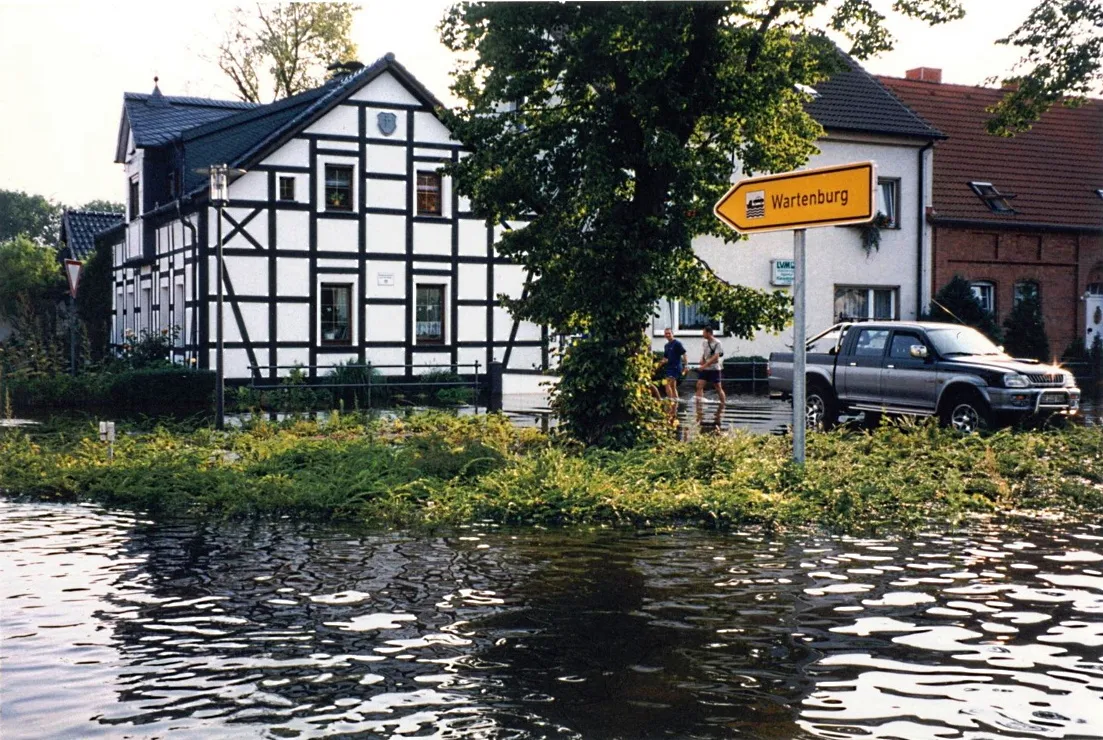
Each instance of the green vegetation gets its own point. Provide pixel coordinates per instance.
(1024, 329)
(284, 47)
(435, 469)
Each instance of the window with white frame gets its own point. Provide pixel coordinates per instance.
(859, 303)
(163, 308)
(429, 314)
(683, 318)
(147, 307)
(335, 304)
(888, 201)
(132, 198)
(338, 187)
(985, 293)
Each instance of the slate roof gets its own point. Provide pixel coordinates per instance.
(79, 229)
(854, 100)
(155, 119)
(235, 133)
(1053, 170)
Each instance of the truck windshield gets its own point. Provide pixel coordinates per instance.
(961, 340)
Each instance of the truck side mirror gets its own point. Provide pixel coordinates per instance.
(918, 351)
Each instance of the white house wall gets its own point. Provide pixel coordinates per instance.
(157, 294)
(835, 256)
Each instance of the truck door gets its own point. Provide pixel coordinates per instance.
(907, 381)
(858, 372)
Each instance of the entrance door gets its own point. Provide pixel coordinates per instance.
(1093, 314)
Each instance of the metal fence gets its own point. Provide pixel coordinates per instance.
(406, 379)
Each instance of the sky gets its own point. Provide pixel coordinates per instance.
(66, 64)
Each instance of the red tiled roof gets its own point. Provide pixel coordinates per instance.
(1053, 170)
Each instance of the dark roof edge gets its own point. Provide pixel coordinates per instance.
(936, 136)
(1031, 225)
(249, 114)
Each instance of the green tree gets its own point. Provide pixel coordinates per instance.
(1063, 56)
(956, 304)
(28, 272)
(32, 215)
(103, 206)
(610, 128)
(94, 301)
(1025, 329)
(284, 47)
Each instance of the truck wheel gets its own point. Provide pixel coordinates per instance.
(965, 412)
(820, 409)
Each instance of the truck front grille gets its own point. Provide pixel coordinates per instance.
(1047, 380)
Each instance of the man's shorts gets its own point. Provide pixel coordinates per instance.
(673, 372)
(709, 376)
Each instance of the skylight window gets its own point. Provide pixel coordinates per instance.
(1099, 192)
(996, 201)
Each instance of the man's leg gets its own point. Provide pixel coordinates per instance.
(720, 392)
(700, 392)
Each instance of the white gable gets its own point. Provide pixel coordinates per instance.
(385, 88)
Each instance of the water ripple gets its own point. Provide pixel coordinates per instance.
(116, 626)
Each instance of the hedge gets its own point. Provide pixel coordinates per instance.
(162, 390)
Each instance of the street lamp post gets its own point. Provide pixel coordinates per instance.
(220, 175)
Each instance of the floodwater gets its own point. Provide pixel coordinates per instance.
(117, 626)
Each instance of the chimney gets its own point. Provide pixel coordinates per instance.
(924, 74)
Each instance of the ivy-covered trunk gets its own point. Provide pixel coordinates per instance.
(604, 393)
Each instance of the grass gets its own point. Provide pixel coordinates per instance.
(435, 469)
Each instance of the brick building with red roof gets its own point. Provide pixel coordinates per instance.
(1019, 214)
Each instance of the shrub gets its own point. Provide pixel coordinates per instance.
(173, 390)
(360, 381)
(157, 391)
(956, 304)
(1025, 330)
(435, 394)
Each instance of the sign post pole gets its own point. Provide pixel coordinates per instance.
(799, 376)
(796, 201)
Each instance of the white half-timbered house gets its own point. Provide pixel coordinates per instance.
(342, 242)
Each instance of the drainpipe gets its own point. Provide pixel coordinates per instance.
(921, 214)
(195, 276)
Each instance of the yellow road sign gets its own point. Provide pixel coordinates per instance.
(826, 196)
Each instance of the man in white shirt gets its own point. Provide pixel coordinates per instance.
(709, 370)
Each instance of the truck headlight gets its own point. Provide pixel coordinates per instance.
(1015, 380)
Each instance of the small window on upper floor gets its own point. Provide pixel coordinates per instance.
(287, 188)
(338, 187)
(133, 200)
(888, 202)
(996, 201)
(429, 194)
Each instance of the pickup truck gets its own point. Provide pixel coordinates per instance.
(922, 369)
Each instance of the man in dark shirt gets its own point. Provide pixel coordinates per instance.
(674, 364)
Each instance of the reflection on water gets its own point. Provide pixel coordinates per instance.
(115, 626)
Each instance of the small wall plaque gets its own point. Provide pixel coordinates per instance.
(782, 272)
(386, 279)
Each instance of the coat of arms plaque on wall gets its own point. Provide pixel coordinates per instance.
(387, 123)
